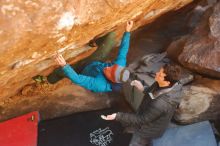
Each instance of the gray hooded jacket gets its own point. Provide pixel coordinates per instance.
(152, 118)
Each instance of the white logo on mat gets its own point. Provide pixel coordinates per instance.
(101, 137)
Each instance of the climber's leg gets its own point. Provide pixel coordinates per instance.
(56, 75)
(105, 46)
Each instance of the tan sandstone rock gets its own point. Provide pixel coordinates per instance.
(31, 31)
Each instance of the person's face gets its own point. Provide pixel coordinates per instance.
(160, 75)
(160, 78)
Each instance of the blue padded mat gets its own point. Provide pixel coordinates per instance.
(199, 134)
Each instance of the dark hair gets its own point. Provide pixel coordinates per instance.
(173, 72)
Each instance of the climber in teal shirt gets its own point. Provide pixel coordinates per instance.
(99, 76)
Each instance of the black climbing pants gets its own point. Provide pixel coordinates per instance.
(105, 46)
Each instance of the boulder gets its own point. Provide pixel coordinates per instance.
(200, 101)
(200, 50)
(32, 31)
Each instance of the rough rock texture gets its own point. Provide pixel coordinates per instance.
(201, 101)
(52, 100)
(200, 51)
(31, 31)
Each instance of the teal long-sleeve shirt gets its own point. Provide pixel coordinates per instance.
(93, 78)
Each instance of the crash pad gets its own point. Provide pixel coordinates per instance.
(20, 131)
(82, 129)
(198, 134)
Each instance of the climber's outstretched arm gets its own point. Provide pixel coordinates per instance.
(123, 50)
(95, 84)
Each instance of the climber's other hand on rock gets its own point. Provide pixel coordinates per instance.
(129, 26)
(60, 60)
